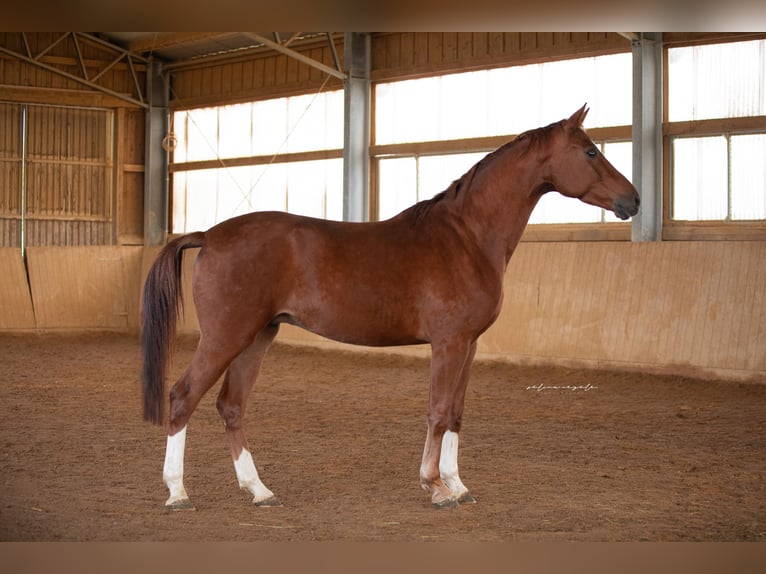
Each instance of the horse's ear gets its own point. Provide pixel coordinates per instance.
(577, 118)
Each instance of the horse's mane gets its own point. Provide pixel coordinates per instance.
(534, 138)
(539, 136)
(422, 208)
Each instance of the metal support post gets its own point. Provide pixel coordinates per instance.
(155, 157)
(356, 137)
(647, 135)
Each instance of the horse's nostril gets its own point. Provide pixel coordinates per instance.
(638, 200)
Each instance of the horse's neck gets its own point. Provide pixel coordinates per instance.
(499, 203)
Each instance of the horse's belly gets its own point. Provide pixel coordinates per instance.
(355, 328)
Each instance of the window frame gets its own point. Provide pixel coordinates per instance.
(684, 230)
(536, 232)
(253, 160)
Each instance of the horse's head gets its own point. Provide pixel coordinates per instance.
(578, 169)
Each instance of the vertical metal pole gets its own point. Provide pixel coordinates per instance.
(23, 190)
(356, 137)
(155, 157)
(647, 135)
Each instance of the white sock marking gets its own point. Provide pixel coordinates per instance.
(247, 476)
(448, 464)
(173, 471)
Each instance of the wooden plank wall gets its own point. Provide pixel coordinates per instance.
(82, 188)
(683, 305)
(16, 311)
(10, 175)
(69, 176)
(77, 288)
(129, 176)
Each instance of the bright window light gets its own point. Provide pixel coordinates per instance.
(313, 122)
(504, 100)
(700, 178)
(501, 101)
(722, 177)
(748, 177)
(717, 81)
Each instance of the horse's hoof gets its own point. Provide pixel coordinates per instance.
(466, 498)
(180, 504)
(446, 503)
(271, 501)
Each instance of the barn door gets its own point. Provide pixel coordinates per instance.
(56, 176)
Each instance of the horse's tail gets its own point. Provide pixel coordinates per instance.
(159, 311)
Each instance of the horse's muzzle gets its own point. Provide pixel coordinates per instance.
(625, 207)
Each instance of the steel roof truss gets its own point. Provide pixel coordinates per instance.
(297, 55)
(83, 78)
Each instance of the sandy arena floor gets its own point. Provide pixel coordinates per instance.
(338, 436)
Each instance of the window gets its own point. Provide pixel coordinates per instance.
(418, 124)
(283, 154)
(717, 132)
(717, 81)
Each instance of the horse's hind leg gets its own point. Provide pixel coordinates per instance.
(232, 402)
(204, 370)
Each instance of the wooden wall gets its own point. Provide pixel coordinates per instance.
(129, 176)
(16, 311)
(687, 306)
(84, 152)
(71, 289)
(10, 175)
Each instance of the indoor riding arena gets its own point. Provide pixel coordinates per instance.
(618, 395)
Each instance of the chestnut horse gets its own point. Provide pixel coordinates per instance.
(432, 274)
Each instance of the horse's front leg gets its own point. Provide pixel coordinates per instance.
(450, 366)
(448, 460)
(448, 468)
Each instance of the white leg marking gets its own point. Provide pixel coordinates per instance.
(173, 472)
(248, 478)
(448, 464)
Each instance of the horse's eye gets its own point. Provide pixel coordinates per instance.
(592, 152)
